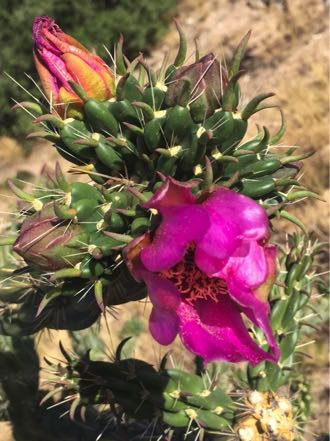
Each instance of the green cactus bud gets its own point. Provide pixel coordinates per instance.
(118, 199)
(153, 133)
(154, 96)
(221, 124)
(184, 381)
(73, 131)
(178, 120)
(116, 223)
(231, 94)
(238, 55)
(128, 88)
(261, 168)
(35, 107)
(146, 110)
(81, 190)
(176, 419)
(85, 208)
(89, 268)
(252, 107)
(288, 343)
(139, 226)
(210, 420)
(243, 161)
(236, 136)
(278, 311)
(256, 188)
(123, 111)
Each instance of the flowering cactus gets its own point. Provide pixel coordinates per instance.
(180, 208)
(59, 59)
(206, 263)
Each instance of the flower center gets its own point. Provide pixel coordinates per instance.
(192, 283)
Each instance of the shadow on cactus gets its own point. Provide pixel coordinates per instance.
(169, 399)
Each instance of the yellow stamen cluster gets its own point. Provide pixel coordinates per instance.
(270, 418)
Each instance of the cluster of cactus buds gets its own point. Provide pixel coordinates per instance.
(185, 121)
(127, 131)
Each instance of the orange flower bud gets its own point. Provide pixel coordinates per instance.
(59, 58)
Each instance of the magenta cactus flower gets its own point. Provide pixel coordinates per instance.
(59, 58)
(206, 264)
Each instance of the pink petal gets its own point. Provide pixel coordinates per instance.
(247, 266)
(254, 302)
(216, 331)
(162, 292)
(163, 325)
(233, 217)
(263, 290)
(171, 194)
(179, 227)
(256, 310)
(259, 316)
(56, 66)
(248, 214)
(49, 82)
(207, 264)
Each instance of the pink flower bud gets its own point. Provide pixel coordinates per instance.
(47, 242)
(59, 58)
(207, 81)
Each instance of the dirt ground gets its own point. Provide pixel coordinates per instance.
(288, 54)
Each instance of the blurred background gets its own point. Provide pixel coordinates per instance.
(288, 54)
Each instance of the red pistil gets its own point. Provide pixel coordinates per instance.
(192, 283)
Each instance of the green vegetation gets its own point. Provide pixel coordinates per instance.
(94, 22)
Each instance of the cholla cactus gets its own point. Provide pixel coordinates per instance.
(179, 207)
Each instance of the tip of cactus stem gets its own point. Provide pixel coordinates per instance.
(218, 410)
(117, 236)
(21, 194)
(120, 58)
(140, 196)
(28, 105)
(238, 55)
(57, 122)
(182, 51)
(37, 204)
(49, 136)
(91, 142)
